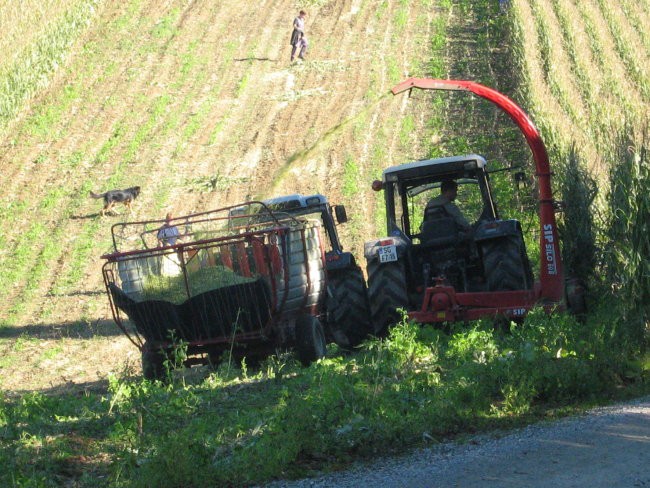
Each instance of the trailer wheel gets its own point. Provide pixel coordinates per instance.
(386, 292)
(153, 363)
(310, 339)
(348, 310)
(505, 269)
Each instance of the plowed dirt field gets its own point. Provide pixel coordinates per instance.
(197, 103)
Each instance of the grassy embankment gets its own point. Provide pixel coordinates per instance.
(415, 388)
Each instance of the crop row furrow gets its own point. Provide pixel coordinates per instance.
(628, 47)
(638, 21)
(154, 128)
(81, 251)
(583, 65)
(49, 126)
(607, 54)
(31, 70)
(554, 63)
(526, 52)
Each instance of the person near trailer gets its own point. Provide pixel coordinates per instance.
(168, 233)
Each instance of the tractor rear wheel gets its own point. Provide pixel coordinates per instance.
(386, 292)
(348, 310)
(505, 269)
(310, 339)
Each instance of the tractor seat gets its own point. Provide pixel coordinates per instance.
(439, 233)
(439, 229)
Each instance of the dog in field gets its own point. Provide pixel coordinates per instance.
(113, 197)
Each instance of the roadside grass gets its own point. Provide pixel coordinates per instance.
(236, 426)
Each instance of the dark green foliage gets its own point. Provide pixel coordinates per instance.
(577, 189)
(416, 386)
(628, 231)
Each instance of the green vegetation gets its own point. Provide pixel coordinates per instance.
(237, 427)
(601, 165)
(578, 190)
(172, 288)
(580, 71)
(627, 238)
(31, 69)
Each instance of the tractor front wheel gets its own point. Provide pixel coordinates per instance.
(348, 310)
(387, 292)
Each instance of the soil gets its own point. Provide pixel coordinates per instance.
(197, 103)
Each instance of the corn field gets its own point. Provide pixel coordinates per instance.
(36, 38)
(585, 70)
(585, 73)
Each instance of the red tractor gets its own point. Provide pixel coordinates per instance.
(439, 270)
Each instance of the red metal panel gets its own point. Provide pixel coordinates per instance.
(443, 304)
(242, 259)
(258, 255)
(226, 256)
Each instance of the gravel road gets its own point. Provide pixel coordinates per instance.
(607, 447)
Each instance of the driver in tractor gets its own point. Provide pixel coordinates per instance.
(448, 193)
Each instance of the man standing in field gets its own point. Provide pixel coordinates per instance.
(298, 32)
(301, 46)
(448, 193)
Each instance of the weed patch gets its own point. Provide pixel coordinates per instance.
(239, 427)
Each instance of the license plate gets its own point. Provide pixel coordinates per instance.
(387, 254)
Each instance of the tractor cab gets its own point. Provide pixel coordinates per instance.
(410, 187)
(436, 272)
(313, 207)
(443, 234)
(444, 230)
